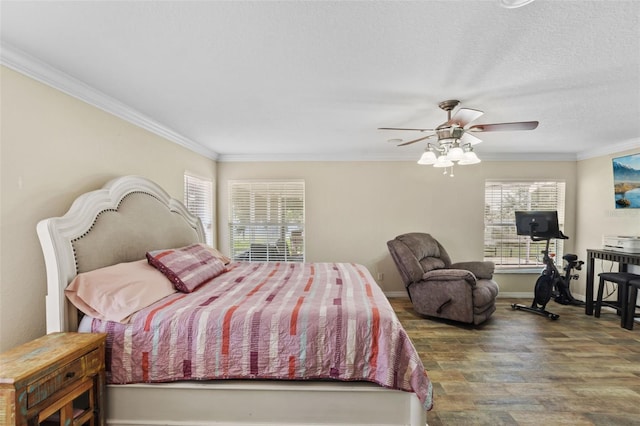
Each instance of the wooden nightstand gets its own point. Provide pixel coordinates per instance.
(56, 379)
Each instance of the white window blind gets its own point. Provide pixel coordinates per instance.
(267, 220)
(502, 245)
(198, 198)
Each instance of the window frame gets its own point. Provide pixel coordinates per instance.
(270, 218)
(198, 199)
(500, 235)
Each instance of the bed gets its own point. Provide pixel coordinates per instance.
(335, 352)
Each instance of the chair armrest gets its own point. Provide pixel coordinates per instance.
(450, 275)
(482, 270)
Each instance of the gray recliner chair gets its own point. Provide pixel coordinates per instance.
(463, 291)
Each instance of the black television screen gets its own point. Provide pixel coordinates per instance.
(543, 223)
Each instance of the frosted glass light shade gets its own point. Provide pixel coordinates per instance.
(513, 4)
(428, 157)
(443, 161)
(456, 153)
(469, 157)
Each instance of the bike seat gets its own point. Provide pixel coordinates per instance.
(570, 257)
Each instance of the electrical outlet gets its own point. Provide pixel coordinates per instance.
(380, 276)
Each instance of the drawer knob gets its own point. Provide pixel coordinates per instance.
(70, 374)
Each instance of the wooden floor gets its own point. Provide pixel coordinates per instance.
(524, 369)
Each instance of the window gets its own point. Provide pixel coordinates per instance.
(266, 220)
(502, 245)
(198, 198)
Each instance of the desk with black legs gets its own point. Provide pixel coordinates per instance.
(623, 260)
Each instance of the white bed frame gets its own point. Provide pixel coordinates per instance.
(97, 231)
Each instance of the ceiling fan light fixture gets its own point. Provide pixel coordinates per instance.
(427, 158)
(513, 4)
(443, 161)
(469, 157)
(455, 153)
(453, 140)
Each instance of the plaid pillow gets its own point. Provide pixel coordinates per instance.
(187, 267)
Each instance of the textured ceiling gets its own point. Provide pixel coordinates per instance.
(315, 79)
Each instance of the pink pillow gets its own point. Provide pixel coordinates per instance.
(114, 293)
(187, 267)
(216, 253)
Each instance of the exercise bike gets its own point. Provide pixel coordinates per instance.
(543, 226)
(562, 293)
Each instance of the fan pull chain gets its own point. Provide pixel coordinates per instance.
(450, 171)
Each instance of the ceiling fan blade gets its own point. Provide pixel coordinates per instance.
(465, 116)
(402, 128)
(470, 139)
(416, 140)
(500, 127)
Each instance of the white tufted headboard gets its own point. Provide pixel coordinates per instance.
(119, 223)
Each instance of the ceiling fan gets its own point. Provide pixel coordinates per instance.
(457, 129)
(454, 137)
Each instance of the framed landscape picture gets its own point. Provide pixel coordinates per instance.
(626, 181)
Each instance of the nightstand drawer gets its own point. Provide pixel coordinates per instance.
(94, 362)
(54, 377)
(47, 385)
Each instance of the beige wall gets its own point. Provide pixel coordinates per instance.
(353, 208)
(53, 148)
(596, 213)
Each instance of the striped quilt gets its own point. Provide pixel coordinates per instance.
(296, 321)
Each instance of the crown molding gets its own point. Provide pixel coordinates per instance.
(608, 149)
(528, 156)
(520, 156)
(230, 158)
(25, 64)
